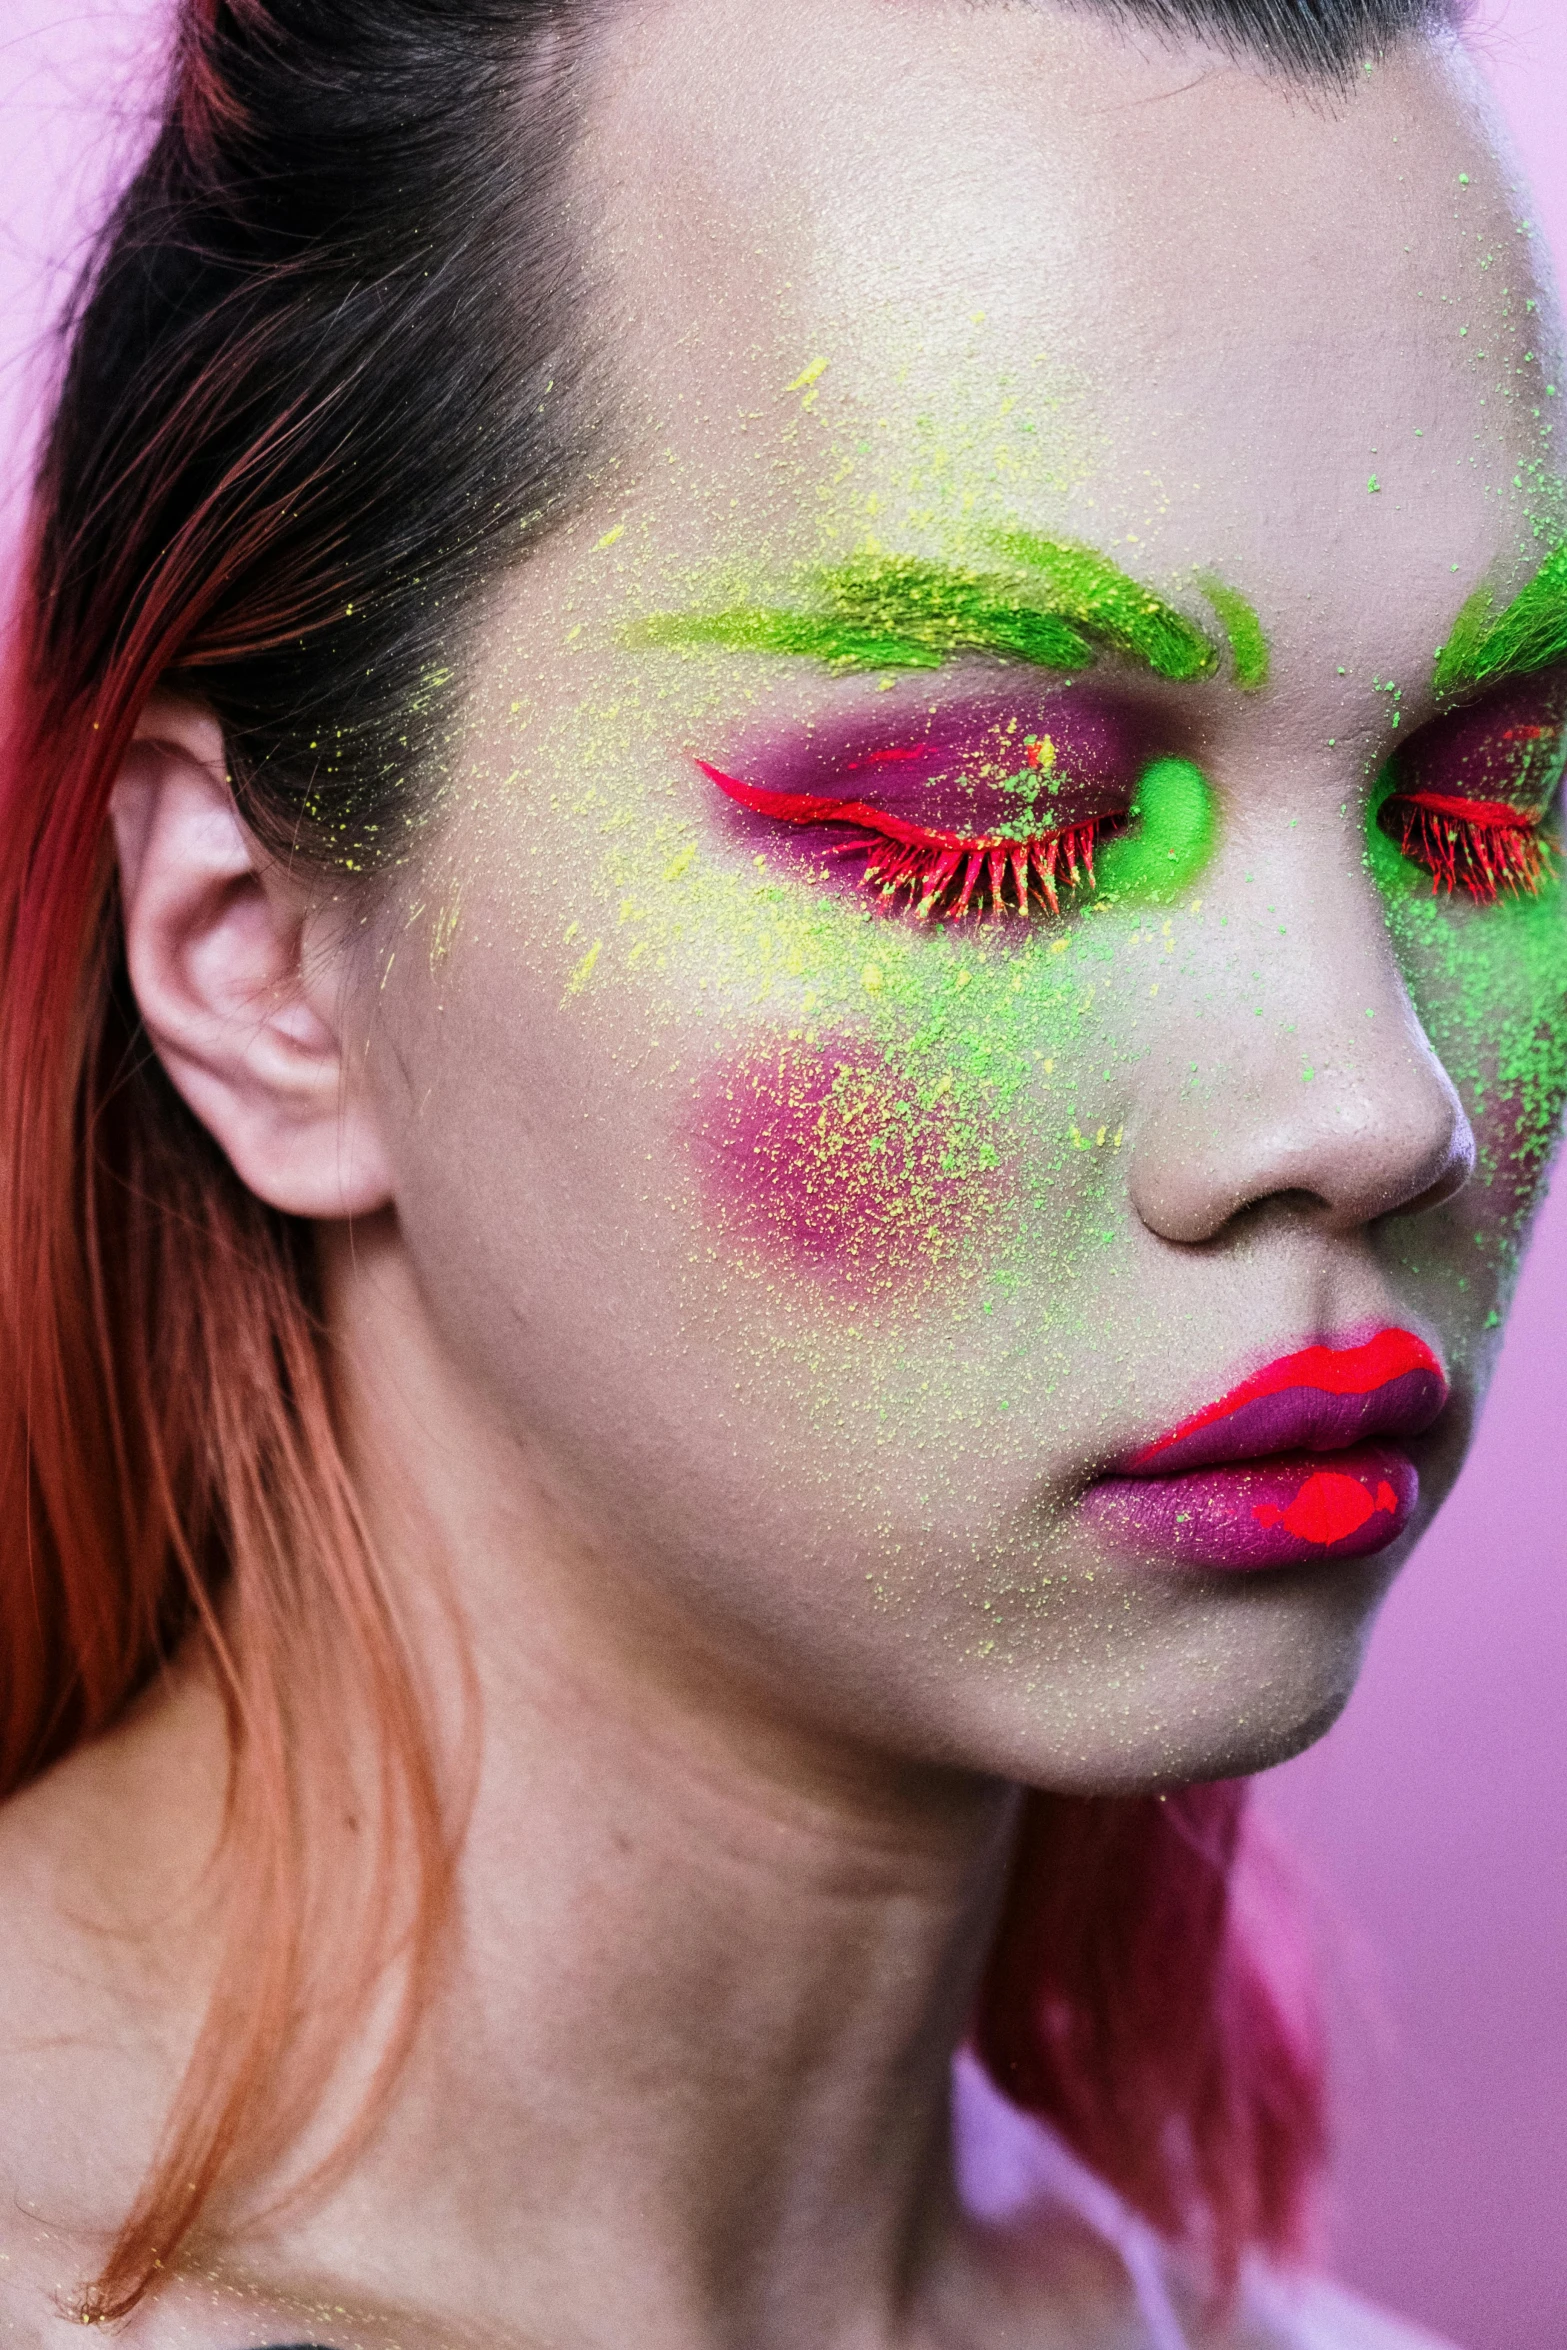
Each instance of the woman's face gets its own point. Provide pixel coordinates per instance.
(1038, 446)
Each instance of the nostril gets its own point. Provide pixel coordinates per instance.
(1455, 1171)
(1334, 1156)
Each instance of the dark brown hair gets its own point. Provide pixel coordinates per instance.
(1320, 39)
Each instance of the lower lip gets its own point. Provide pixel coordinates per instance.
(1291, 1511)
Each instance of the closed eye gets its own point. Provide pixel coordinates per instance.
(1469, 794)
(1487, 848)
(940, 874)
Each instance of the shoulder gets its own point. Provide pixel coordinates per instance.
(1310, 2313)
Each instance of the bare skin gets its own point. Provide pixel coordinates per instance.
(745, 1788)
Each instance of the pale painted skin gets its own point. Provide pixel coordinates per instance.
(885, 1486)
(772, 1599)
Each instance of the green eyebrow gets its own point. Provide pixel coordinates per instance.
(1057, 606)
(1530, 634)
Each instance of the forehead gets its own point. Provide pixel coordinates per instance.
(892, 265)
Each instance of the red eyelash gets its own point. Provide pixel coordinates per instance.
(947, 874)
(1483, 846)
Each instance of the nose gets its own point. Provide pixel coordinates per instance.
(1331, 1102)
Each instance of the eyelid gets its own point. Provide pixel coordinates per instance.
(1486, 815)
(956, 758)
(807, 808)
(973, 864)
(798, 807)
(1506, 742)
(1485, 847)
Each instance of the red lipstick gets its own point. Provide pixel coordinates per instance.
(1293, 1464)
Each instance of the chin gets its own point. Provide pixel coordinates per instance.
(1243, 1678)
(1273, 1734)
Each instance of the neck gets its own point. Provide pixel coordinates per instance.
(711, 1959)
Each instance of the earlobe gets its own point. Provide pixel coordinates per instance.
(245, 1021)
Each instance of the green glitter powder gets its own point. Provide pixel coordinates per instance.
(998, 1041)
(904, 612)
(808, 636)
(1490, 985)
(1529, 635)
(1115, 610)
(1248, 645)
(952, 610)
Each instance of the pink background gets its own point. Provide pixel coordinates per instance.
(1434, 1819)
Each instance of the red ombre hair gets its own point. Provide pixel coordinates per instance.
(330, 374)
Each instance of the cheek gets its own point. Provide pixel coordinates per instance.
(1516, 1130)
(1491, 988)
(821, 1157)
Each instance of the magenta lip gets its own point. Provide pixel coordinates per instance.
(1323, 1398)
(1302, 1419)
(1293, 1510)
(1287, 1467)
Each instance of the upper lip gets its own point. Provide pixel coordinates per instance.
(1323, 1398)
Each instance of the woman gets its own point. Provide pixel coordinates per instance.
(783, 992)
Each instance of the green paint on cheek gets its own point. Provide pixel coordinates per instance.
(1490, 986)
(1248, 644)
(963, 1022)
(1007, 1040)
(1175, 824)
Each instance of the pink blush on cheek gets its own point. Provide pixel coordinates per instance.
(822, 1157)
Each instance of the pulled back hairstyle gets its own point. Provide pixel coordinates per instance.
(325, 380)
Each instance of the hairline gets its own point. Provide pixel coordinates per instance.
(1320, 50)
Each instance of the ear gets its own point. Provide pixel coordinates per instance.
(238, 985)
